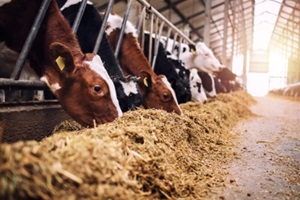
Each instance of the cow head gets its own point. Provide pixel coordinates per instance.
(158, 93)
(226, 74)
(180, 84)
(205, 60)
(197, 90)
(82, 86)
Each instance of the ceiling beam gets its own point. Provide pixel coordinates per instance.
(177, 11)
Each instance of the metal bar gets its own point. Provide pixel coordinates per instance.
(141, 27)
(141, 35)
(29, 40)
(167, 41)
(6, 83)
(174, 43)
(102, 29)
(179, 47)
(158, 36)
(125, 18)
(150, 40)
(79, 16)
(140, 22)
(155, 39)
(151, 9)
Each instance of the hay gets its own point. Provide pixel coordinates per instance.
(145, 154)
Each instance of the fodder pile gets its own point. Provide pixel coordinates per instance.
(145, 154)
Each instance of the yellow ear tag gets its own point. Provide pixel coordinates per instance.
(60, 61)
(145, 82)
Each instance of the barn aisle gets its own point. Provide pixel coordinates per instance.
(267, 164)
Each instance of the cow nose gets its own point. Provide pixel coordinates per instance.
(205, 101)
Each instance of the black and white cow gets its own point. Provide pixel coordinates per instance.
(126, 86)
(195, 82)
(199, 56)
(208, 84)
(166, 66)
(197, 89)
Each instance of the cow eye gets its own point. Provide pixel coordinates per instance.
(206, 54)
(166, 97)
(97, 88)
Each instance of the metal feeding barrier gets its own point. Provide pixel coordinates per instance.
(157, 23)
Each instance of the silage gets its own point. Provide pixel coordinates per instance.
(145, 154)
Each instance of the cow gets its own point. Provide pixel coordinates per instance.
(197, 56)
(225, 77)
(127, 90)
(208, 84)
(197, 90)
(166, 66)
(195, 82)
(228, 80)
(220, 88)
(79, 81)
(156, 91)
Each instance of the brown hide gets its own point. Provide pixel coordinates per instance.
(154, 91)
(83, 93)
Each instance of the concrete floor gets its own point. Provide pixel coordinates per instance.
(267, 165)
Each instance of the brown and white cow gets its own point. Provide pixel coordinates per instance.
(78, 80)
(155, 89)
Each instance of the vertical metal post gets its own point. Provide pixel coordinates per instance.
(79, 16)
(179, 47)
(141, 33)
(30, 39)
(125, 18)
(150, 40)
(157, 37)
(206, 34)
(175, 38)
(167, 41)
(102, 29)
(141, 20)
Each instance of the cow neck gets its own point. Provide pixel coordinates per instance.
(132, 57)
(109, 60)
(59, 30)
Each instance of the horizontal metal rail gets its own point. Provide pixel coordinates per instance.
(21, 84)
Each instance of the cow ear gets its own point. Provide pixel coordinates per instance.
(62, 57)
(145, 79)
